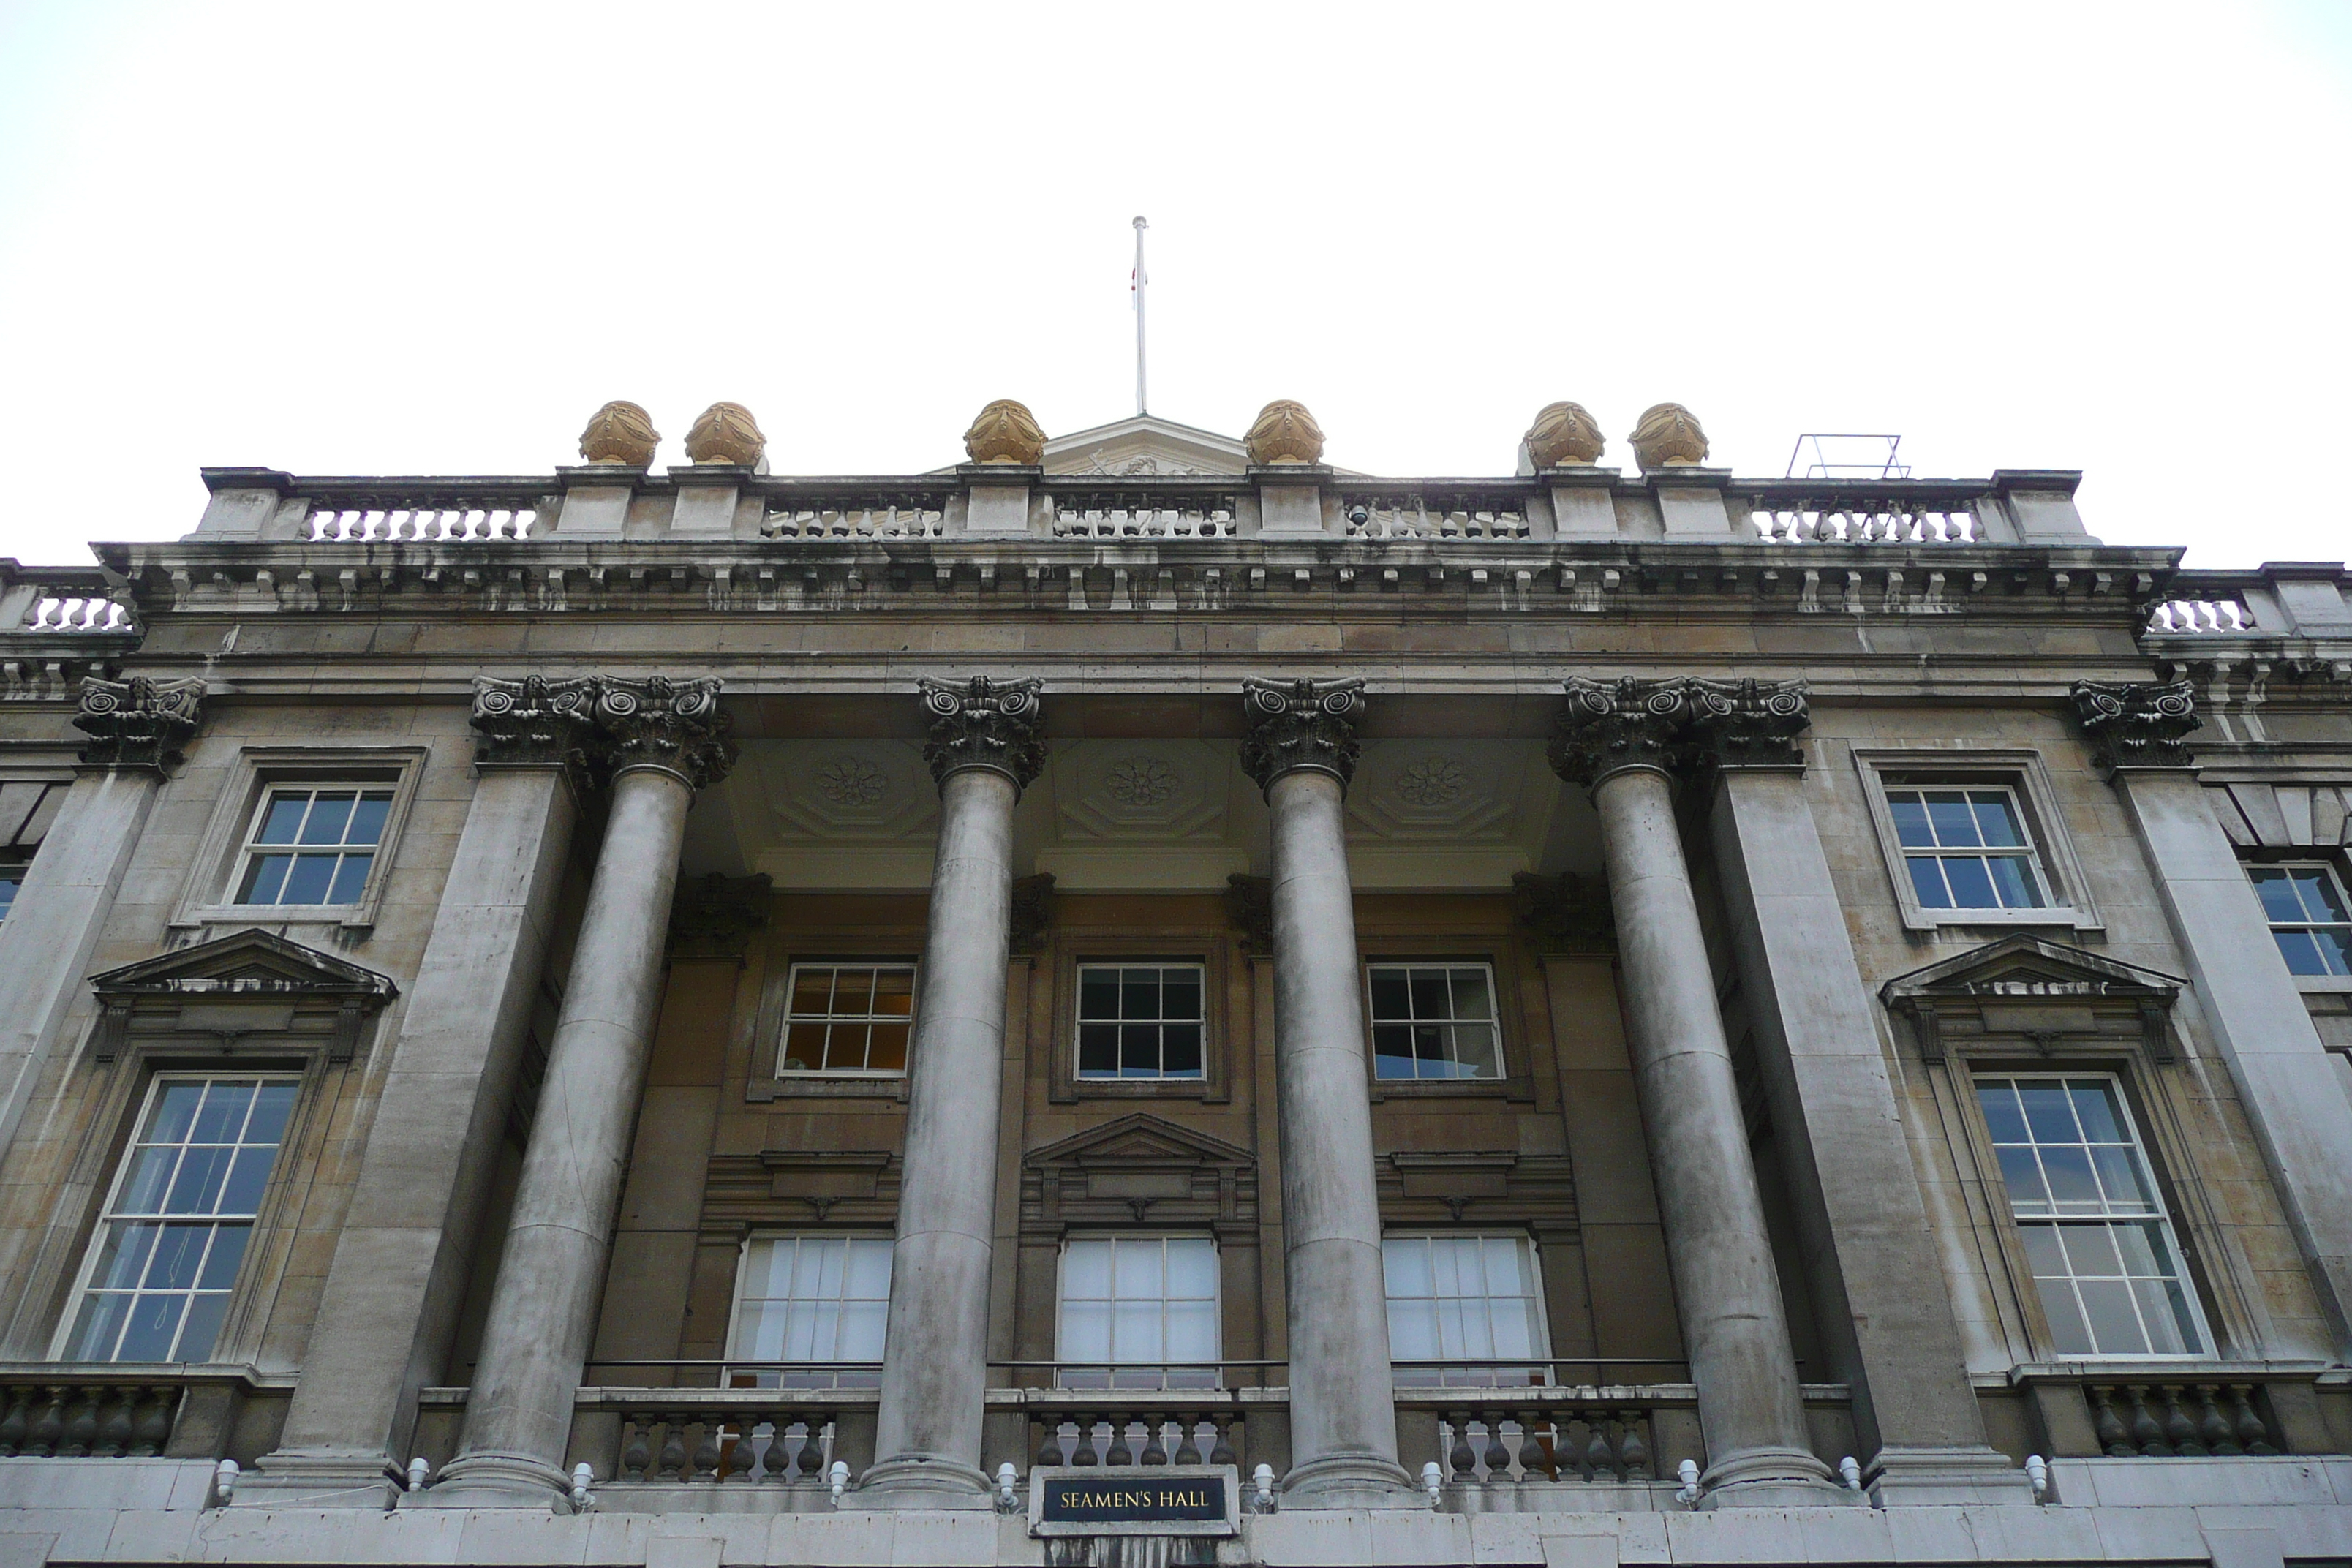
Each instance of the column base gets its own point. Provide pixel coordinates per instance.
(487, 1478)
(924, 1482)
(320, 1478)
(1772, 1478)
(1351, 1480)
(1898, 1477)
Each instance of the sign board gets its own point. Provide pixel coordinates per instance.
(1133, 1499)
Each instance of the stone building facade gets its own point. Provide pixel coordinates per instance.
(689, 1016)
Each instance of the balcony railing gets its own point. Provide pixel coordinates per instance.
(63, 602)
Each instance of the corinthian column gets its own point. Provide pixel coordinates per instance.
(662, 739)
(136, 729)
(984, 750)
(1620, 741)
(1302, 750)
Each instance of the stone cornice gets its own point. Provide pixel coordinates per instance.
(2137, 725)
(138, 723)
(979, 722)
(1301, 724)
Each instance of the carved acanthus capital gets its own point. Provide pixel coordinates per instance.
(533, 723)
(726, 433)
(985, 723)
(656, 722)
(621, 432)
(1301, 724)
(1564, 436)
(1607, 726)
(715, 916)
(2140, 725)
(138, 723)
(1750, 723)
(1005, 432)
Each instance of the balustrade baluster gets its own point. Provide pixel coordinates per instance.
(739, 1460)
(1599, 1456)
(2180, 1430)
(2146, 1431)
(2214, 1428)
(706, 1452)
(1085, 1452)
(15, 1422)
(1223, 1453)
(812, 1458)
(673, 1448)
(635, 1451)
(1632, 1453)
(1462, 1457)
(114, 1425)
(1049, 1444)
(50, 1427)
(1188, 1451)
(2253, 1432)
(1497, 1456)
(1153, 1453)
(2113, 1436)
(82, 1424)
(1118, 1453)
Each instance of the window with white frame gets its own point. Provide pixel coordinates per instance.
(2097, 1239)
(1967, 848)
(1140, 1021)
(1140, 1311)
(2309, 919)
(848, 1019)
(179, 1218)
(1462, 1308)
(312, 844)
(820, 1301)
(1433, 1021)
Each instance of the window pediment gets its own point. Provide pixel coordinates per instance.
(248, 982)
(2027, 988)
(1139, 1167)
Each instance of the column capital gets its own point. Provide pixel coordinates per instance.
(138, 723)
(1609, 726)
(1750, 723)
(2136, 724)
(985, 723)
(656, 722)
(534, 722)
(1301, 724)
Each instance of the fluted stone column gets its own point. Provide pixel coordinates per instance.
(2292, 1092)
(984, 749)
(1855, 1192)
(393, 1293)
(1621, 741)
(662, 739)
(136, 728)
(1343, 1446)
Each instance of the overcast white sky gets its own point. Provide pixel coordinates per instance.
(343, 239)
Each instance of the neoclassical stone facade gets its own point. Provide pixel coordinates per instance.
(652, 1015)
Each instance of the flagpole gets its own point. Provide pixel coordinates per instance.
(1139, 281)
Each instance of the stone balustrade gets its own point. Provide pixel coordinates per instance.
(2187, 1419)
(61, 601)
(2278, 599)
(97, 1414)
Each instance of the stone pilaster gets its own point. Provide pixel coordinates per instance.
(660, 740)
(1301, 750)
(136, 728)
(2294, 1095)
(1620, 741)
(1855, 1192)
(986, 746)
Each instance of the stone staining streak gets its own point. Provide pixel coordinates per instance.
(1610, 726)
(1249, 906)
(984, 724)
(674, 725)
(532, 723)
(1750, 723)
(715, 917)
(2136, 726)
(138, 723)
(1033, 912)
(1297, 724)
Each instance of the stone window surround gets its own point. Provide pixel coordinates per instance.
(764, 1084)
(2025, 773)
(1518, 1082)
(2205, 1255)
(205, 899)
(57, 1271)
(787, 1018)
(1073, 945)
(754, 1234)
(2338, 859)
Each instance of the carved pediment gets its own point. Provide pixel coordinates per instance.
(2024, 988)
(1138, 1166)
(248, 982)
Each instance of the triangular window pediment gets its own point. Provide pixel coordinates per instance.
(1140, 1140)
(251, 962)
(2024, 988)
(1139, 1168)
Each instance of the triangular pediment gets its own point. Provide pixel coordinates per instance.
(2028, 966)
(1144, 445)
(1141, 1140)
(251, 962)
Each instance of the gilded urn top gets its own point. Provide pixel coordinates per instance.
(1564, 436)
(726, 433)
(1005, 432)
(1668, 437)
(1283, 432)
(620, 432)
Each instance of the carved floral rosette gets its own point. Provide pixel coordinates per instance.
(2137, 725)
(1005, 432)
(620, 432)
(985, 723)
(138, 723)
(1297, 724)
(1607, 726)
(656, 722)
(533, 723)
(1750, 723)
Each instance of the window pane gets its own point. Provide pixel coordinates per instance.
(202, 1170)
(2115, 1322)
(813, 990)
(1997, 819)
(2089, 1250)
(1180, 1049)
(150, 1177)
(804, 1047)
(1139, 1050)
(1086, 1268)
(1392, 1050)
(227, 1252)
(1948, 813)
(2068, 1167)
(307, 882)
(2069, 1333)
(1180, 994)
(1086, 1331)
(350, 880)
(2044, 1254)
(869, 1270)
(863, 1324)
(1098, 994)
(1927, 882)
(2021, 1172)
(272, 1104)
(2013, 881)
(1390, 996)
(2120, 1176)
(241, 1194)
(99, 1325)
(1405, 1261)
(2301, 952)
(283, 820)
(265, 878)
(153, 1324)
(330, 812)
(367, 819)
(2335, 950)
(844, 1048)
(853, 993)
(178, 1253)
(1099, 1050)
(1412, 1328)
(2320, 898)
(2003, 1119)
(1971, 883)
(2049, 1110)
(1136, 1333)
(1428, 987)
(1473, 1048)
(1192, 1268)
(1135, 1270)
(886, 1048)
(894, 993)
(2094, 1109)
(201, 1326)
(1470, 998)
(1138, 993)
(124, 1258)
(1910, 819)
